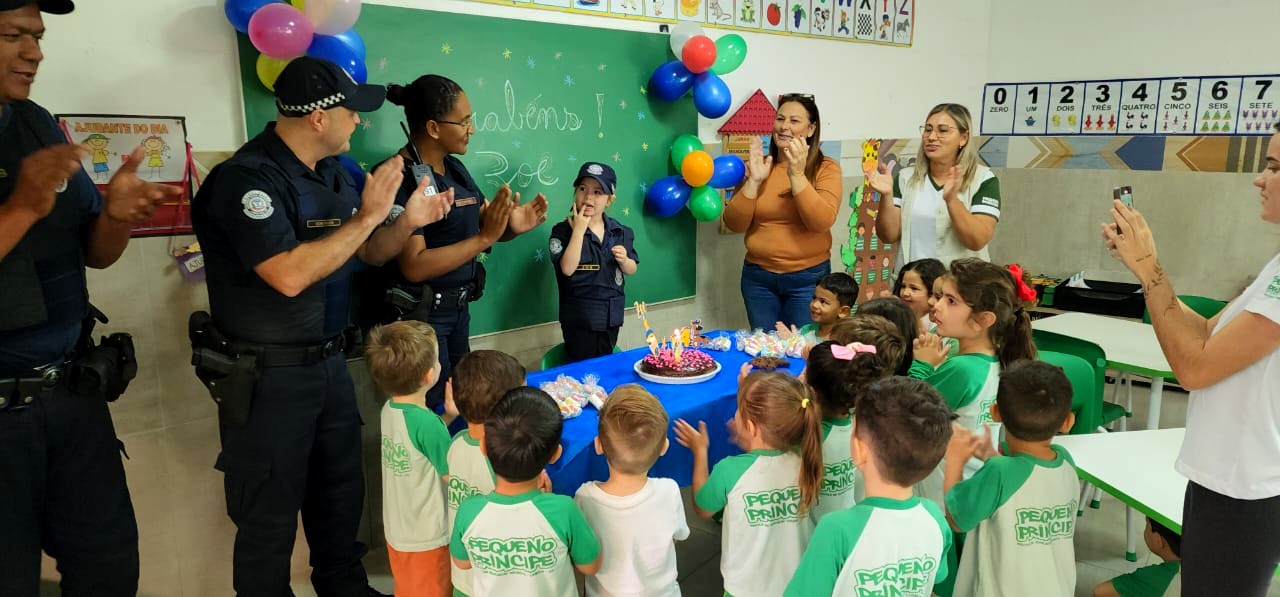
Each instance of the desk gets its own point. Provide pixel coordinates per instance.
(1137, 468)
(1130, 346)
(713, 401)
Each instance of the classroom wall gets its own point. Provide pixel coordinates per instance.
(1206, 225)
(176, 57)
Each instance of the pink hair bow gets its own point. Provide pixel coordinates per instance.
(848, 351)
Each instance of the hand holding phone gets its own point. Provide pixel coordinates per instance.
(1124, 195)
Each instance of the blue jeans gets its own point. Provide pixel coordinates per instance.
(771, 297)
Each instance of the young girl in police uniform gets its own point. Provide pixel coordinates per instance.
(592, 254)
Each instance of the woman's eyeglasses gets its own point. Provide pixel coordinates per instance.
(468, 124)
(788, 97)
(942, 131)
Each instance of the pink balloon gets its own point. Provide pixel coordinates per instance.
(332, 17)
(280, 31)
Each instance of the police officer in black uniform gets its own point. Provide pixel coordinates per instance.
(438, 271)
(590, 273)
(281, 227)
(62, 483)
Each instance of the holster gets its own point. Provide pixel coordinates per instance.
(102, 370)
(411, 303)
(228, 376)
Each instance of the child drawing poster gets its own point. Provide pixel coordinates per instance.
(633, 8)
(798, 15)
(111, 139)
(820, 17)
(691, 10)
(747, 13)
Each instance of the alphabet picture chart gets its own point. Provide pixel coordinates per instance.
(1031, 110)
(1101, 107)
(1065, 101)
(1192, 105)
(1177, 106)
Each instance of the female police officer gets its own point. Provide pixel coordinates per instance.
(442, 257)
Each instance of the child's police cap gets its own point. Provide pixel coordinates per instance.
(602, 174)
(53, 7)
(308, 84)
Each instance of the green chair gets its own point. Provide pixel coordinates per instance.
(1101, 413)
(1084, 396)
(557, 357)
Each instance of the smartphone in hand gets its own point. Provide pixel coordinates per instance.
(1124, 195)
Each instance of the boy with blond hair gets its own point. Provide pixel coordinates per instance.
(403, 361)
(638, 519)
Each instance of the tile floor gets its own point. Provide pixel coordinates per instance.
(193, 572)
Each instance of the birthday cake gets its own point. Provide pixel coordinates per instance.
(692, 363)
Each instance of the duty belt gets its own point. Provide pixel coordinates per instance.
(19, 390)
(275, 355)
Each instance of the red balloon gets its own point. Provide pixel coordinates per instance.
(699, 54)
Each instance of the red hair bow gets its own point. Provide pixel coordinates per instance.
(1025, 293)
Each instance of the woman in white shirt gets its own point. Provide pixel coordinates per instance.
(946, 205)
(1231, 364)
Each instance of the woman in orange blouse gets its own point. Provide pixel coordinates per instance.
(786, 206)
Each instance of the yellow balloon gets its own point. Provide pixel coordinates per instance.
(269, 69)
(298, 4)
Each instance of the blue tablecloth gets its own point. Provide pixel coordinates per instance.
(713, 401)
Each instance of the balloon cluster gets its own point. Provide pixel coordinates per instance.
(283, 31)
(700, 65)
(696, 185)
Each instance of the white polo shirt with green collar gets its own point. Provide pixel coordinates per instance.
(968, 383)
(880, 546)
(525, 544)
(470, 474)
(764, 531)
(1020, 514)
(839, 475)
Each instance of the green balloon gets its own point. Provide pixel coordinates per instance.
(705, 204)
(683, 146)
(731, 50)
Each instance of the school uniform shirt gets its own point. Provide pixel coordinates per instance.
(764, 530)
(926, 224)
(968, 383)
(593, 297)
(523, 544)
(1020, 514)
(1147, 581)
(838, 471)
(469, 474)
(414, 446)
(638, 533)
(1232, 443)
(881, 546)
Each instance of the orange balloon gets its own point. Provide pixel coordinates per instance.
(697, 168)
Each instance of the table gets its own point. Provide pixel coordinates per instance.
(713, 401)
(1130, 346)
(1137, 468)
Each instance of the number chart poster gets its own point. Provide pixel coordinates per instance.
(1199, 106)
(888, 22)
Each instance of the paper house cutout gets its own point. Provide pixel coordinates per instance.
(755, 117)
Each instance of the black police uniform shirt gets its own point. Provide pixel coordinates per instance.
(44, 298)
(593, 297)
(262, 202)
(463, 221)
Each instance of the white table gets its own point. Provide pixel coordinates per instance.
(1130, 346)
(1137, 468)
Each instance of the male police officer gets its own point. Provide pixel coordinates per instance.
(279, 224)
(62, 484)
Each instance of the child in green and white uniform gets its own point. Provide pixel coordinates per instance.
(518, 540)
(833, 300)
(1019, 510)
(891, 542)
(765, 494)
(1156, 580)
(979, 307)
(481, 378)
(863, 349)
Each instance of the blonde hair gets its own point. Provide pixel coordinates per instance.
(633, 429)
(400, 354)
(789, 417)
(966, 160)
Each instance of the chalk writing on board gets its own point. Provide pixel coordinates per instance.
(530, 116)
(499, 171)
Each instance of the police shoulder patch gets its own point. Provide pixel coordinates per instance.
(556, 246)
(257, 205)
(617, 277)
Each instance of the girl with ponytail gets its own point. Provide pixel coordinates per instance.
(766, 493)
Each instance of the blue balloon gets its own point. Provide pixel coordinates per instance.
(353, 41)
(729, 171)
(670, 81)
(667, 196)
(338, 52)
(711, 95)
(353, 168)
(240, 11)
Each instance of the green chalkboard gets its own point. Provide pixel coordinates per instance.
(546, 98)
